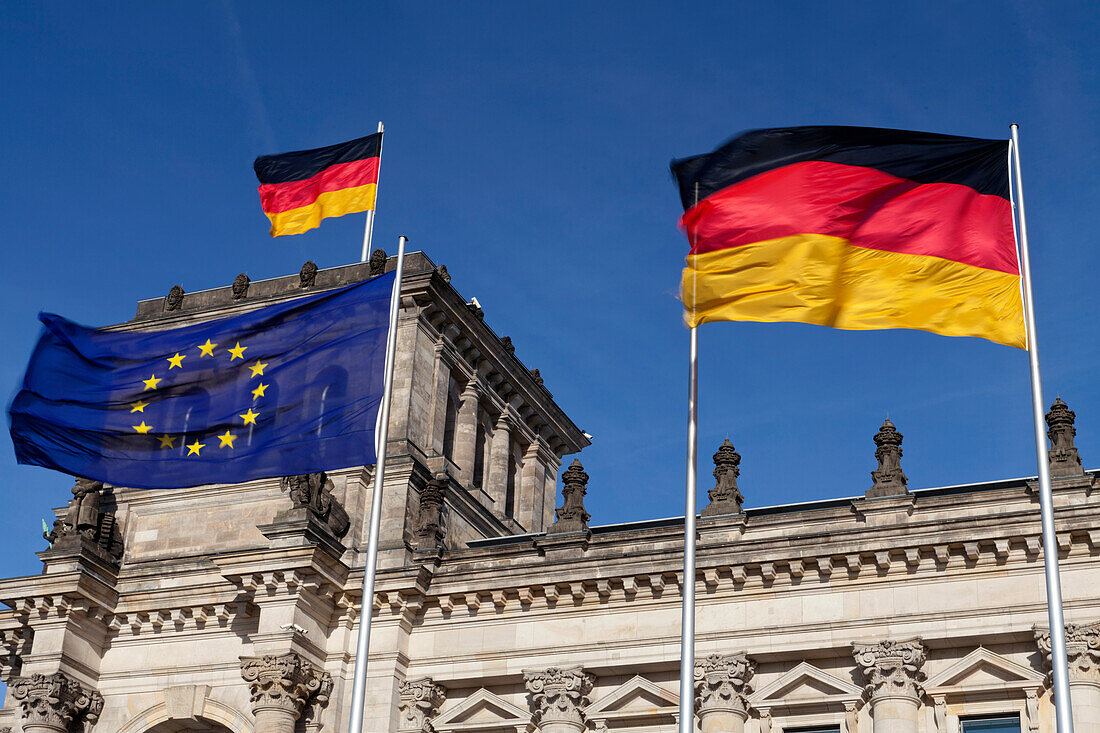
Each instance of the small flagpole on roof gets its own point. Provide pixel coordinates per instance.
(368, 232)
(1059, 666)
(362, 648)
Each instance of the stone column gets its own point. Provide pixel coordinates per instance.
(280, 687)
(55, 703)
(892, 673)
(722, 692)
(1083, 655)
(466, 433)
(496, 482)
(558, 697)
(420, 700)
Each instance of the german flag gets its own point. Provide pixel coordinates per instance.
(299, 189)
(854, 228)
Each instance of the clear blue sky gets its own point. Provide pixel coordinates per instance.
(527, 149)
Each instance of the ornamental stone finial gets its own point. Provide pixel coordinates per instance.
(1063, 456)
(55, 702)
(891, 668)
(1082, 650)
(725, 497)
(429, 519)
(280, 687)
(307, 276)
(420, 700)
(240, 286)
(572, 517)
(377, 262)
(174, 300)
(722, 685)
(558, 697)
(889, 480)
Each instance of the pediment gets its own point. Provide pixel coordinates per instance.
(805, 684)
(637, 697)
(481, 710)
(982, 668)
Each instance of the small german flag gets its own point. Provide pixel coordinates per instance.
(299, 189)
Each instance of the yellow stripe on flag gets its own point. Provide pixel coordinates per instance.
(823, 280)
(329, 204)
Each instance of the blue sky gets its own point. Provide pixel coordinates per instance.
(527, 149)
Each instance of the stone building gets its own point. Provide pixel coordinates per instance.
(234, 607)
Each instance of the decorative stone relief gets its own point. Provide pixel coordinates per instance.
(939, 713)
(1031, 707)
(1082, 650)
(174, 299)
(1064, 459)
(285, 682)
(56, 701)
(441, 270)
(429, 519)
(377, 262)
(559, 695)
(725, 497)
(314, 492)
(851, 718)
(420, 700)
(891, 668)
(307, 276)
(507, 341)
(765, 721)
(240, 286)
(312, 715)
(722, 683)
(571, 516)
(86, 519)
(888, 477)
(537, 377)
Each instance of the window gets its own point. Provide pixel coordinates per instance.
(998, 724)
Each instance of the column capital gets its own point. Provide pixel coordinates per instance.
(722, 683)
(1082, 650)
(559, 695)
(284, 682)
(420, 700)
(55, 701)
(891, 668)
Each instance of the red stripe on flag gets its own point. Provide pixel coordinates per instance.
(276, 198)
(865, 206)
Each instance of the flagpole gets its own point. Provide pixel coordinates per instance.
(1058, 661)
(368, 232)
(687, 609)
(359, 681)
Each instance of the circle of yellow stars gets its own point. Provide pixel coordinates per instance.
(175, 361)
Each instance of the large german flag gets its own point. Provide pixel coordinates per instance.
(855, 228)
(299, 189)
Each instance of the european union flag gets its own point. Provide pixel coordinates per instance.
(287, 389)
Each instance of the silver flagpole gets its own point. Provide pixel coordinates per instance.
(1046, 502)
(362, 647)
(687, 622)
(368, 232)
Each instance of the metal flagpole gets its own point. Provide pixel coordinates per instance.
(687, 622)
(1046, 502)
(368, 232)
(359, 682)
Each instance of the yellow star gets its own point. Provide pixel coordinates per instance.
(207, 349)
(257, 369)
(194, 448)
(138, 406)
(143, 428)
(250, 417)
(166, 441)
(237, 351)
(227, 439)
(151, 382)
(176, 361)
(259, 391)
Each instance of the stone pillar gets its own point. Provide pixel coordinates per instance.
(280, 687)
(558, 697)
(532, 492)
(496, 483)
(55, 703)
(420, 700)
(466, 433)
(1083, 655)
(722, 692)
(892, 673)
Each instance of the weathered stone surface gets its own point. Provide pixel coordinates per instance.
(377, 262)
(284, 682)
(888, 477)
(420, 701)
(723, 683)
(55, 702)
(307, 276)
(89, 519)
(725, 497)
(429, 517)
(558, 696)
(240, 286)
(314, 491)
(174, 299)
(572, 517)
(1082, 650)
(891, 668)
(1064, 459)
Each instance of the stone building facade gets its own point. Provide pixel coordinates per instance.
(235, 607)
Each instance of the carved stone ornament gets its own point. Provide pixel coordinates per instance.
(725, 497)
(314, 491)
(240, 286)
(558, 695)
(420, 700)
(429, 519)
(285, 682)
(174, 299)
(507, 341)
(312, 714)
(537, 377)
(441, 270)
(888, 478)
(307, 276)
(1082, 650)
(891, 668)
(377, 262)
(571, 516)
(1064, 459)
(56, 701)
(722, 683)
(85, 518)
